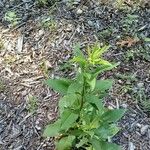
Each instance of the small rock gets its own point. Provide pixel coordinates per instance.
(140, 84)
(38, 127)
(144, 129)
(76, 2)
(90, 23)
(69, 28)
(41, 32)
(124, 105)
(79, 11)
(138, 125)
(131, 146)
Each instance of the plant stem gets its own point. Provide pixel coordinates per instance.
(82, 95)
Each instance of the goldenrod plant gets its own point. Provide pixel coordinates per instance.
(84, 122)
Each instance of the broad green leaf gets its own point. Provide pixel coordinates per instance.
(106, 131)
(112, 115)
(92, 83)
(52, 130)
(75, 88)
(65, 143)
(60, 85)
(67, 101)
(92, 99)
(101, 145)
(68, 119)
(103, 85)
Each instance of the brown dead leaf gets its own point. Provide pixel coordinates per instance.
(128, 42)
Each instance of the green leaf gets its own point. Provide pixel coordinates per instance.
(106, 131)
(65, 143)
(103, 62)
(60, 85)
(52, 130)
(67, 101)
(75, 88)
(92, 99)
(103, 68)
(101, 145)
(112, 115)
(68, 119)
(77, 52)
(79, 60)
(103, 85)
(92, 83)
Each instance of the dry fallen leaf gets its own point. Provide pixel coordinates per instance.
(128, 42)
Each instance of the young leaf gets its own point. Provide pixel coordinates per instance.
(60, 85)
(112, 115)
(79, 60)
(101, 145)
(65, 143)
(52, 130)
(67, 119)
(103, 68)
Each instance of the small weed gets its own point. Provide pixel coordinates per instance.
(141, 97)
(49, 23)
(127, 77)
(128, 81)
(32, 104)
(105, 34)
(12, 18)
(129, 23)
(129, 55)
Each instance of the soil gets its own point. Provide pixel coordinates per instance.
(39, 45)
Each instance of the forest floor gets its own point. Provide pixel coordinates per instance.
(36, 44)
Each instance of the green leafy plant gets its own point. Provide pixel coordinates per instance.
(11, 17)
(49, 23)
(142, 98)
(84, 122)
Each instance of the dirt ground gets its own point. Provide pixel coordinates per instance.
(39, 45)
